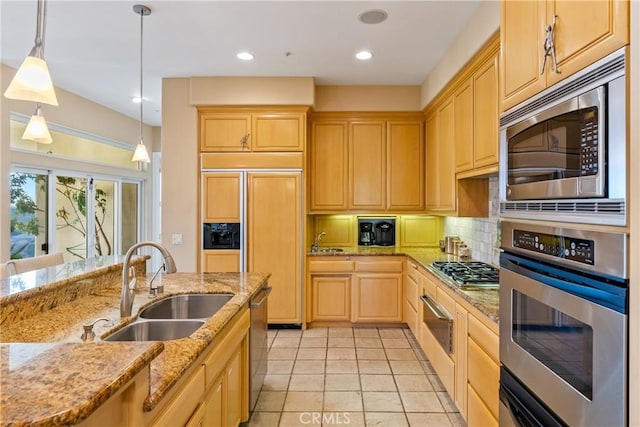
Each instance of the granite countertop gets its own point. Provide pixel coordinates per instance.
(60, 328)
(485, 300)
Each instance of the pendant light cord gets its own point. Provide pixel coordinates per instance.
(141, 98)
(41, 22)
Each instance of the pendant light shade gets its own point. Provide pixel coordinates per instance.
(141, 154)
(37, 129)
(32, 82)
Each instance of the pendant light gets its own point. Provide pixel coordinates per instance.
(32, 82)
(141, 155)
(37, 129)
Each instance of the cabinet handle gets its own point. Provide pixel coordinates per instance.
(243, 140)
(549, 47)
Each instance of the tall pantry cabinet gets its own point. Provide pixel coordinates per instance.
(262, 190)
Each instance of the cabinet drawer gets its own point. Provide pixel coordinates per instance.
(179, 411)
(440, 360)
(411, 318)
(485, 338)
(330, 265)
(412, 271)
(379, 266)
(412, 292)
(427, 285)
(483, 376)
(446, 301)
(477, 412)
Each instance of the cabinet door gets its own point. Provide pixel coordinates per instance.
(233, 393)
(221, 260)
(329, 156)
(225, 132)
(446, 175)
(213, 405)
(278, 131)
(585, 32)
(431, 162)
(274, 243)
(521, 37)
(221, 197)
(477, 412)
(377, 298)
(405, 166)
(331, 298)
(367, 165)
(463, 117)
(460, 359)
(485, 115)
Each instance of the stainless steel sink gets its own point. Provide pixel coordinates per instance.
(189, 306)
(156, 330)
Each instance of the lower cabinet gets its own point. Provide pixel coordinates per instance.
(215, 391)
(355, 289)
(331, 296)
(483, 374)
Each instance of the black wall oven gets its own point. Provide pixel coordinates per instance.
(563, 326)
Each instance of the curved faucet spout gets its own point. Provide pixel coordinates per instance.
(129, 287)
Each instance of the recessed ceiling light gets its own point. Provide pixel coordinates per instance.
(374, 16)
(245, 56)
(363, 55)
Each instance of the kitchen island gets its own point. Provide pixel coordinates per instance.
(51, 377)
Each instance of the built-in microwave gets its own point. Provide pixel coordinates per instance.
(564, 150)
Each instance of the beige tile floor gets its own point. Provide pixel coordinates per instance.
(351, 377)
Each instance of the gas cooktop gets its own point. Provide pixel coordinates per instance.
(469, 274)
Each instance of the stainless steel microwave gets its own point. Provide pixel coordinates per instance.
(564, 151)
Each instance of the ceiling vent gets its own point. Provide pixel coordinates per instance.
(374, 16)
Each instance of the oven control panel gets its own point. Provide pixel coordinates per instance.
(569, 248)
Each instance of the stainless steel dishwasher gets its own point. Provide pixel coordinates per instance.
(258, 346)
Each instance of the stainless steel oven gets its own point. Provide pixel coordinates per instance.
(564, 150)
(563, 326)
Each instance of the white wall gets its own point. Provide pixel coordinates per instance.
(481, 26)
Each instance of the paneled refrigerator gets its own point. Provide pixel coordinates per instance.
(267, 205)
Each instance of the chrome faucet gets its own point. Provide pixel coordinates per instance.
(129, 275)
(316, 244)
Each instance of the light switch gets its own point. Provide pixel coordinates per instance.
(176, 239)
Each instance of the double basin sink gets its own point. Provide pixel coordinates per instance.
(171, 318)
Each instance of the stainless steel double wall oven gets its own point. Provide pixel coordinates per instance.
(564, 268)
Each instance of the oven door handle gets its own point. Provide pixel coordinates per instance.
(435, 308)
(574, 289)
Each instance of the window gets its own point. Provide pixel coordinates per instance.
(51, 212)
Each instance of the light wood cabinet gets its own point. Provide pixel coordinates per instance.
(213, 415)
(463, 118)
(329, 166)
(274, 221)
(405, 165)
(367, 165)
(441, 178)
(483, 371)
(485, 115)
(460, 359)
(220, 260)
(233, 396)
(245, 129)
(577, 44)
(221, 197)
(366, 162)
(377, 297)
(331, 296)
(364, 289)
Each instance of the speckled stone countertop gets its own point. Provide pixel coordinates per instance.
(485, 300)
(62, 326)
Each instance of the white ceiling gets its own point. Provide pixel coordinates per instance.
(92, 47)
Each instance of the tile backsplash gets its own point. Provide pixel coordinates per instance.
(482, 235)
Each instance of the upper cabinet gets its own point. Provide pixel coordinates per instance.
(581, 32)
(257, 129)
(372, 162)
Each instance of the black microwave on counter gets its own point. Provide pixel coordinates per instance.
(221, 235)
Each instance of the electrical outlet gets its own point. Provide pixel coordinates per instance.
(176, 239)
